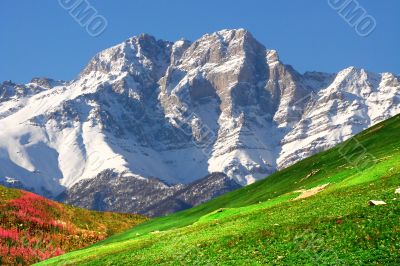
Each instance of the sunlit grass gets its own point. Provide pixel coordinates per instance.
(263, 224)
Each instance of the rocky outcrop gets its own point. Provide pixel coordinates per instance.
(111, 191)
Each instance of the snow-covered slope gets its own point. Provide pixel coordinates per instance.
(179, 111)
(355, 100)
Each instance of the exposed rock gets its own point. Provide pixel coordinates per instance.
(376, 202)
(111, 191)
(313, 172)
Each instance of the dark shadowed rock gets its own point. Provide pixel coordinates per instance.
(111, 191)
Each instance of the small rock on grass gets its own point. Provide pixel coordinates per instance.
(397, 191)
(376, 202)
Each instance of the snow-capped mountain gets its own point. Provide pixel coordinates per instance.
(178, 111)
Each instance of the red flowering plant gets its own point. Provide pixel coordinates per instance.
(33, 228)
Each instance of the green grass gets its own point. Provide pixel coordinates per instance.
(263, 224)
(7, 194)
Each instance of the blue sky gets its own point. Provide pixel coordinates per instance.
(40, 38)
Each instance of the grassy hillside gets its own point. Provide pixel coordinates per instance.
(315, 212)
(33, 228)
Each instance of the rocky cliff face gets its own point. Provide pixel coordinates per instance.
(176, 112)
(111, 191)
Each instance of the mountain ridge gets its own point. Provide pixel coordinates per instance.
(179, 111)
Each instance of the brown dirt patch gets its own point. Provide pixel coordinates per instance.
(305, 193)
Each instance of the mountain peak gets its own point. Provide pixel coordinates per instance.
(8, 83)
(234, 35)
(233, 32)
(357, 73)
(127, 56)
(272, 56)
(47, 83)
(179, 111)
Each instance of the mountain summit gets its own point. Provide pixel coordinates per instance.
(158, 116)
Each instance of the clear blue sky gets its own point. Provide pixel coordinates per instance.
(39, 38)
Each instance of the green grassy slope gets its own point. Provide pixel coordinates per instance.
(263, 224)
